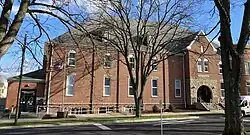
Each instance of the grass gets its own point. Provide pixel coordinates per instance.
(88, 120)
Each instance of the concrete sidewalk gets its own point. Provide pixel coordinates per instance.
(153, 114)
(119, 115)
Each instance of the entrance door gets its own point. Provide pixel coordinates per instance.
(28, 101)
(204, 94)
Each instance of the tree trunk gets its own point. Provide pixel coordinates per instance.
(233, 121)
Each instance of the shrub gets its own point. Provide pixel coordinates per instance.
(172, 108)
(156, 109)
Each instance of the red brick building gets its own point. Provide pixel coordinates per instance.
(32, 91)
(192, 76)
(184, 79)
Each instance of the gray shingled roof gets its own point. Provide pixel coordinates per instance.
(35, 76)
(180, 41)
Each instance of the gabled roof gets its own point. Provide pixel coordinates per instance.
(35, 76)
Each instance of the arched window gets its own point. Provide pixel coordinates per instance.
(154, 64)
(107, 61)
(72, 58)
(199, 65)
(206, 65)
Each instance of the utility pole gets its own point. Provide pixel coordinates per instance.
(20, 80)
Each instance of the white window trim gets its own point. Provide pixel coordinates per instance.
(202, 49)
(222, 89)
(156, 64)
(198, 68)
(69, 95)
(155, 78)
(129, 87)
(104, 86)
(104, 59)
(131, 56)
(206, 60)
(175, 88)
(248, 93)
(248, 63)
(71, 51)
(220, 63)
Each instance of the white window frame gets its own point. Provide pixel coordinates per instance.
(71, 85)
(248, 92)
(71, 51)
(154, 87)
(247, 67)
(199, 65)
(131, 63)
(106, 86)
(105, 59)
(177, 88)
(206, 66)
(154, 64)
(220, 67)
(129, 88)
(202, 49)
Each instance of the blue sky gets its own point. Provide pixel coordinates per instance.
(10, 63)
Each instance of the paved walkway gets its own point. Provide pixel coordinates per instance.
(113, 115)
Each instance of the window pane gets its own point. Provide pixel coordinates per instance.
(107, 81)
(107, 61)
(131, 91)
(107, 91)
(72, 55)
(199, 66)
(178, 92)
(72, 62)
(246, 68)
(154, 91)
(177, 84)
(222, 86)
(222, 93)
(70, 85)
(130, 83)
(154, 83)
(248, 83)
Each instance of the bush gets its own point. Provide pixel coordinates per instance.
(156, 109)
(172, 108)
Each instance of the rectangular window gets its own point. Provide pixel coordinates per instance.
(131, 62)
(70, 85)
(154, 87)
(220, 68)
(199, 65)
(107, 89)
(154, 64)
(177, 88)
(72, 58)
(107, 61)
(222, 89)
(206, 65)
(130, 88)
(248, 88)
(247, 68)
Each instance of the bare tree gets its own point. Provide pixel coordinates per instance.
(144, 32)
(232, 73)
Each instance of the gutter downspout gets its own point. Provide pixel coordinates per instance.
(184, 82)
(117, 82)
(49, 76)
(164, 85)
